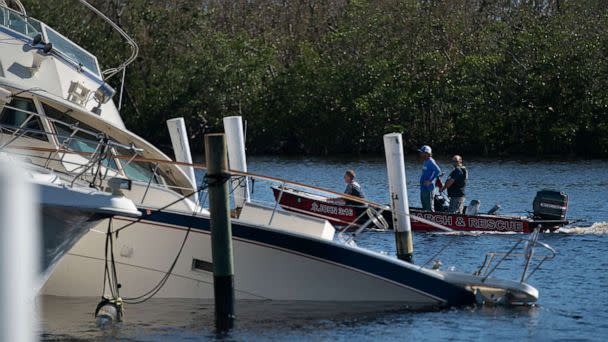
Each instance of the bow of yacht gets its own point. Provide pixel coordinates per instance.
(63, 212)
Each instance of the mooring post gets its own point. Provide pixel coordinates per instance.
(395, 164)
(181, 148)
(221, 231)
(237, 159)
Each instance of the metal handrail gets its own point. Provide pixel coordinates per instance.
(486, 269)
(102, 149)
(130, 41)
(97, 135)
(63, 148)
(274, 210)
(363, 226)
(376, 205)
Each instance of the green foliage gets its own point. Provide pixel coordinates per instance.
(323, 77)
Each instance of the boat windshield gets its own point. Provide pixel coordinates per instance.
(16, 22)
(31, 27)
(71, 50)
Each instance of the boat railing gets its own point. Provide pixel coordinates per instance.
(130, 41)
(75, 129)
(100, 142)
(135, 154)
(523, 248)
(97, 148)
(374, 217)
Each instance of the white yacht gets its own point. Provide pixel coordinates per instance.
(62, 117)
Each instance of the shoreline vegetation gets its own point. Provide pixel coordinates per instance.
(475, 77)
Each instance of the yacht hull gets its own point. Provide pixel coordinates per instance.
(67, 214)
(61, 230)
(269, 264)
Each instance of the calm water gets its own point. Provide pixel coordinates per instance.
(573, 302)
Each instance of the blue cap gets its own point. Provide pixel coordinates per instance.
(425, 149)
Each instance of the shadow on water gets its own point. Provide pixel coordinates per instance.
(160, 319)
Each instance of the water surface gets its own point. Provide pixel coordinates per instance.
(573, 302)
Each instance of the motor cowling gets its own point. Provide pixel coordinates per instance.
(550, 205)
(440, 203)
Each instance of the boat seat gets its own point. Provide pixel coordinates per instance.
(287, 221)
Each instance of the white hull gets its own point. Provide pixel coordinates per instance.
(61, 230)
(68, 213)
(263, 270)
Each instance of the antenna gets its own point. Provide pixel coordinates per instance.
(134, 48)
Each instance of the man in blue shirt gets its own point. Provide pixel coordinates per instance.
(430, 171)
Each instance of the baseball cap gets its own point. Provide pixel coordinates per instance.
(425, 149)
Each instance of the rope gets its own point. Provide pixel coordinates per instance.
(161, 283)
(110, 277)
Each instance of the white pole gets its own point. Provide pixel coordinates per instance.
(19, 253)
(395, 164)
(235, 139)
(181, 148)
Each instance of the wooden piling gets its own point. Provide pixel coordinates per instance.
(221, 231)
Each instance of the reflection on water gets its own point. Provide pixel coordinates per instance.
(173, 319)
(573, 302)
(181, 318)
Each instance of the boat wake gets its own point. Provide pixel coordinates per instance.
(596, 228)
(474, 233)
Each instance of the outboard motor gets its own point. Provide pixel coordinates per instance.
(550, 205)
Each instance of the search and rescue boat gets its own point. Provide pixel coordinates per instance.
(549, 213)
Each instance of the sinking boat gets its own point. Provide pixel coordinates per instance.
(67, 123)
(66, 211)
(549, 214)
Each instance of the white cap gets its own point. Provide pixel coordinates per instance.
(425, 149)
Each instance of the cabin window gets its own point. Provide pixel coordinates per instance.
(140, 171)
(21, 120)
(3, 16)
(75, 135)
(36, 24)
